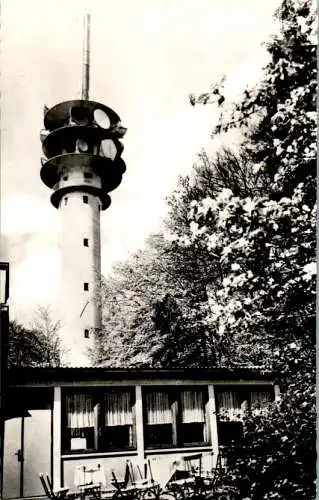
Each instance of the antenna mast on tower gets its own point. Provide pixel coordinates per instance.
(86, 58)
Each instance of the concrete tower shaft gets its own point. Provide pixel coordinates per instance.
(81, 273)
(82, 164)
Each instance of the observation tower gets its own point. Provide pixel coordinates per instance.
(81, 141)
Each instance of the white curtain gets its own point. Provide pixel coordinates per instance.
(80, 411)
(192, 407)
(230, 403)
(260, 398)
(158, 409)
(118, 409)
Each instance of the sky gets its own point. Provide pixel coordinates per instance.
(147, 56)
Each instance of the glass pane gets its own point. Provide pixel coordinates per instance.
(192, 407)
(158, 410)
(118, 409)
(80, 411)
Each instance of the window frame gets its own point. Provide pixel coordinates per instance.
(98, 396)
(88, 175)
(226, 426)
(174, 394)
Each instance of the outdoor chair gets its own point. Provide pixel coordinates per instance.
(182, 482)
(193, 463)
(57, 493)
(123, 485)
(218, 488)
(89, 480)
(146, 486)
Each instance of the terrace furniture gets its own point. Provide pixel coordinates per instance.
(191, 481)
(139, 484)
(123, 486)
(57, 493)
(182, 483)
(146, 486)
(193, 463)
(218, 489)
(89, 480)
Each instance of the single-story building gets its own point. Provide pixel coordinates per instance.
(58, 419)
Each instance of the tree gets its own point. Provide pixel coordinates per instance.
(265, 245)
(155, 304)
(38, 345)
(48, 328)
(129, 336)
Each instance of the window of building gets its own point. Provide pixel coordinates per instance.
(85, 242)
(86, 287)
(175, 418)
(86, 333)
(65, 177)
(117, 431)
(98, 420)
(88, 175)
(66, 200)
(85, 199)
(231, 403)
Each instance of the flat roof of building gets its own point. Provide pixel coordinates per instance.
(66, 376)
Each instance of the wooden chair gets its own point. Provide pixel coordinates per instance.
(182, 482)
(146, 486)
(58, 493)
(217, 487)
(124, 485)
(89, 480)
(193, 464)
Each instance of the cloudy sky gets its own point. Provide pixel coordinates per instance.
(147, 56)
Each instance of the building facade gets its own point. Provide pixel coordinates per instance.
(62, 418)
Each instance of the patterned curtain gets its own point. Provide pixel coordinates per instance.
(192, 407)
(158, 409)
(118, 409)
(230, 404)
(80, 411)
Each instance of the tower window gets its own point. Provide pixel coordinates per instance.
(85, 199)
(86, 287)
(66, 200)
(85, 242)
(86, 333)
(88, 175)
(65, 177)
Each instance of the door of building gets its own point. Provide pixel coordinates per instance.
(36, 451)
(27, 451)
(12, 458)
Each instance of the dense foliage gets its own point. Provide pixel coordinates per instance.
(266, 247)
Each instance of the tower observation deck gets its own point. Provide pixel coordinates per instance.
(81, 141)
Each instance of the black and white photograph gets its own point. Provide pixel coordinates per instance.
(158, 250)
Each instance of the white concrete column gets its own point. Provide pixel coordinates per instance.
(57, 438)
(80, 313)
(212, 418)
(139, 424)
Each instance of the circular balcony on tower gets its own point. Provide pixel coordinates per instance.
(82, 136)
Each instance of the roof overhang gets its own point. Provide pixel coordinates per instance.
(39, 377)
